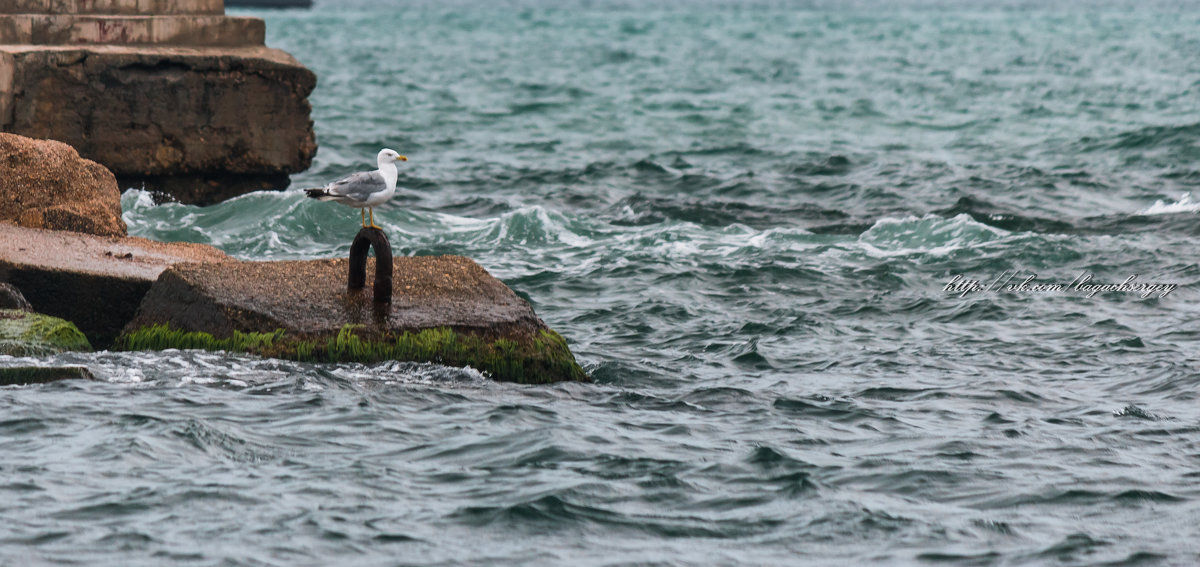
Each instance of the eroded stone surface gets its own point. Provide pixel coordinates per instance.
(45, 184)
(309, 298)
(174, 30)
(112, 7)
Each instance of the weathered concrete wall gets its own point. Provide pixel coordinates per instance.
(6, 89)
(182, 100)
(161, 113)
(210, 31)
(162, 7)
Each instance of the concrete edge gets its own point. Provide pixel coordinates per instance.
(7, 89)
(114, 7)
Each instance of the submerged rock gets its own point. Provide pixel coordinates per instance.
(45, 184)
(94, 281)
(22, 375)
(444, 309)
(32, 334)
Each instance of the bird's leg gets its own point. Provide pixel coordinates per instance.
(373, 219)
(363, 212)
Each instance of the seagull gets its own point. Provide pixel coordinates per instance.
(365, 189)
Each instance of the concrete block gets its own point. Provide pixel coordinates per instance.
(113, 7)
(7, 89)
(212, 31)
(169, 112)
(14, 29)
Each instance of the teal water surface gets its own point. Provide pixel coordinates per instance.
(747, 219)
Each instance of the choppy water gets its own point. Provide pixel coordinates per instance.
(743, 217)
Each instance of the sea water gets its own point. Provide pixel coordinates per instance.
(753, 222)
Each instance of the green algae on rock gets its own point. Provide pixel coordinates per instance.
(96, 282)
(32, 334)
(444, 309)
(22, 375)
(542, 359)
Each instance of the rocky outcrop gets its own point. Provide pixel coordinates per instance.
(32, 334)
(96, 282)
(444, 309)
(45, 184)
(136, 294)
(170, 95)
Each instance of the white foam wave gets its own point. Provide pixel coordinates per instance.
(931, 234)
(527, 225)
(1184, 205)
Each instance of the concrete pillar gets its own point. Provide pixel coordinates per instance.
(114, 7)
(169, 94)
(204, 31)
(6, 90)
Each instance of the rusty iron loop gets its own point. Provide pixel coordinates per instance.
(366, 239)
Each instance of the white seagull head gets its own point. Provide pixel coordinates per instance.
(387, 156)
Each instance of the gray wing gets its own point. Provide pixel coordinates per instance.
(357, 186)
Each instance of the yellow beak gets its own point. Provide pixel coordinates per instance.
(401, 158)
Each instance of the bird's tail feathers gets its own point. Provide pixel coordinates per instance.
(319, 194)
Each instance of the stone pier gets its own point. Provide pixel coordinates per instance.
(171, 95)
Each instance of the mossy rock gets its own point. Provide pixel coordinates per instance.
(23, 375)
(541, 359)
(33, 334)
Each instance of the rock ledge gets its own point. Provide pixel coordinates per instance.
(95, 282)
(444, 309)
